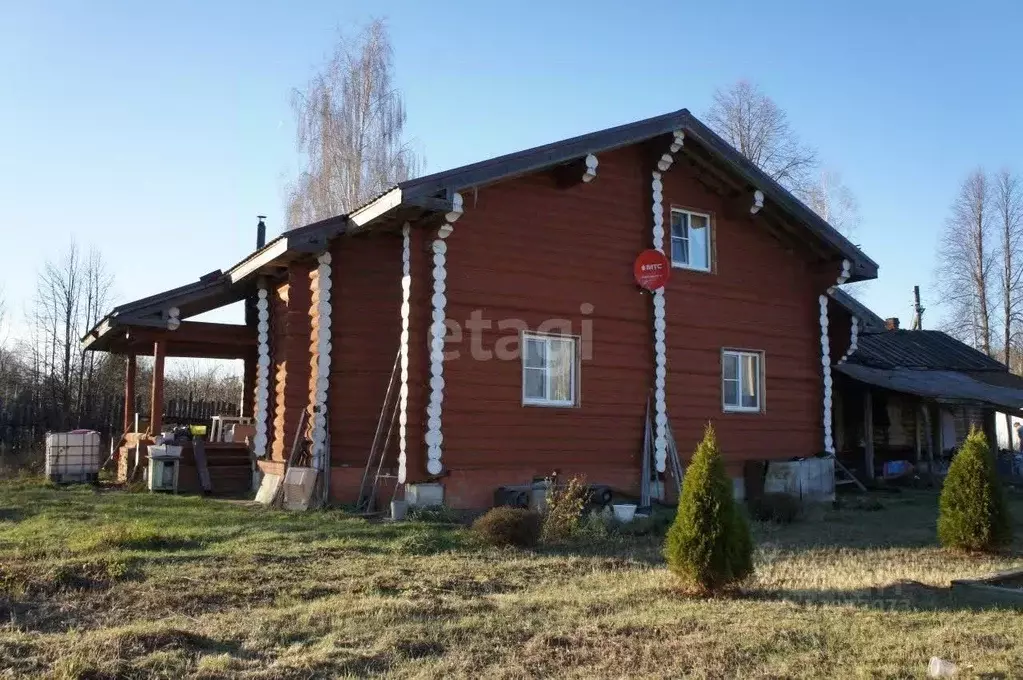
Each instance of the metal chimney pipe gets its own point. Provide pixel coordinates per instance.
(260, 232)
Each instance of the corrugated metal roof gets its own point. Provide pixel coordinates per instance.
(944, 386)
(920, 349)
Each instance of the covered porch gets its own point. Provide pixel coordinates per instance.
(216, 447)
(914, 396)
(215, 456)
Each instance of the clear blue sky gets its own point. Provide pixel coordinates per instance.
(157, 131)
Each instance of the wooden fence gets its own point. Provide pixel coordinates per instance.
(24, 422)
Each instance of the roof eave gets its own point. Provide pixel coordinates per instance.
(363, 217)
(863, 267)
(541, 157)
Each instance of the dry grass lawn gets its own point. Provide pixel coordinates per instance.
(106, 584)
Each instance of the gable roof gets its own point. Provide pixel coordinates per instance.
(549, 155)
(433, 194)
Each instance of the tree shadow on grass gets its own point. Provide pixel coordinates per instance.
(12, 514)
(908, 596)
(616, 551)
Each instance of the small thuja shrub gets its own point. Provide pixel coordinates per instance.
(564, 511)
(709, 545)
(972, 513)
(504, 526)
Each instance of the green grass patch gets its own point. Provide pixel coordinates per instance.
(103, 584)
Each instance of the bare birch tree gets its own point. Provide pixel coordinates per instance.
(58, 300)
(759, 129)
(97, 282)
(72, 293)
(350, 122)
(6, 360)
(202, 379)
(1007, 203)
(830, 198)
(966, 262)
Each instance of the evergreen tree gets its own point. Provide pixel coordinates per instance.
(709, 544)
(973, 513)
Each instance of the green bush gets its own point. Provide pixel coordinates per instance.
(596, 526)
(564, 509)
(709, 545)
(775, 507)
(973, 514)
(504, 526)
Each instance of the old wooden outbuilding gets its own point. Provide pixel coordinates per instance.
(910, 395)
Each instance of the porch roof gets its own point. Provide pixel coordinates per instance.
(145, 316)
(933, 365)
(1000, 390)
(197, 339)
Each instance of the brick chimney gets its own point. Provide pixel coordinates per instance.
(892, 323)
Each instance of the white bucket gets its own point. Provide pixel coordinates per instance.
(624, 512)
(939, 668)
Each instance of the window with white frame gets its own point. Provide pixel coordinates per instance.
(690, 240)
(549, 370)
(742, 383)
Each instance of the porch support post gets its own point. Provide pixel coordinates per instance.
(991, 430)
(248, 385)
(916, 433)
(438, 329)
(868, 433)
(156, 402)
(664, 163)
(929, 432)
(130, 365)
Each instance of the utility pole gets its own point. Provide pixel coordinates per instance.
(918, 310)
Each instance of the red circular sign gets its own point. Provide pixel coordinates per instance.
(651, 269)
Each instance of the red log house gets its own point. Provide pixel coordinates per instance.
(501, 296)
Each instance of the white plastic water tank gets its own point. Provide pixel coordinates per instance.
(72, 456)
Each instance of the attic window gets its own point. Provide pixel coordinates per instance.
(690, 240)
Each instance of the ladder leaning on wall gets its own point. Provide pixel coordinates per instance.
(674, 463)
(373, 473)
